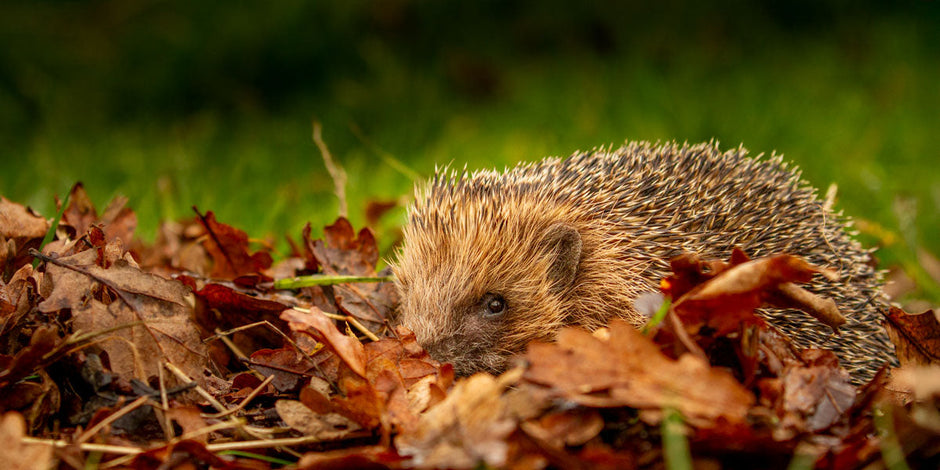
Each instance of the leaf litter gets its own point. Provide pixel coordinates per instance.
(181, 354)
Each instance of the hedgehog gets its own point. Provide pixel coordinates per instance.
(491, 261)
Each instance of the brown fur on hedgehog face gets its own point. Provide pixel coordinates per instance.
(477, 284)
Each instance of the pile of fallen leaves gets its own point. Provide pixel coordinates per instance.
(185, 354)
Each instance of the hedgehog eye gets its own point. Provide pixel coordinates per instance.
(493, 305)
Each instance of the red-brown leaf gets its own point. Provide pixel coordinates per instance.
(229, 250)
(628, 370)
(316, 323)
(916, 336)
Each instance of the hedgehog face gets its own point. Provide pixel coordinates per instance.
(475, 301)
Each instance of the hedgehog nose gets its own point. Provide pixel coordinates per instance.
(439, 350)
(432, 347)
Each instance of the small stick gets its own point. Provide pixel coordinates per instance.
(244, 402)
(90, 432)
(347, 318)
(336, 171)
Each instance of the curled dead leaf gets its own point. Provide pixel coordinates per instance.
(468, 428)
(348, 348)
(629, 370)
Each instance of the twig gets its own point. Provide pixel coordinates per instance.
(362, 329)
(201, 391)
(204, 431)
(678, 329)
(286, 338)
(165, 403)
(255, 444)
(90, 432)
(103, 448)
(281, 442)
(347, 318)
(244, 402)
(336, 171)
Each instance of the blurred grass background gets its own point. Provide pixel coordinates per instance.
(176, 103)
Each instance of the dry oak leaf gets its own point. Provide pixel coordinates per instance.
(16, 454)
(469, 427)
(328, 426)
(117, 221)
(344, 251)
(17, 221)
(316, 323)
(228, 247)
(286, 363)
(166, 307)
(916, 337)
(627, 369)
(728, 299)
(80, 213)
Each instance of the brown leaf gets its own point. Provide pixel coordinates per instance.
(328, 426)
(16, 454)
(726, 301)
(228, 248)
(177, 248)
(353, 458)
(20, 222)
(470, 426)
(814, 395)
(240, 308)
(919, 384)
(344, 252)
(316, 323)
(165, 305)
(287, 367)
(28, 359)
(15, 297)
(628, 370)
(916, 337)
(567, 428)
(119, 221)
(373, 302)
(80, 213)
(361, 401)
(190, 420)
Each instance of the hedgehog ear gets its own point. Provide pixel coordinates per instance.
(563, 243)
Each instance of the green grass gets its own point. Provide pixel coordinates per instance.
(859, 113)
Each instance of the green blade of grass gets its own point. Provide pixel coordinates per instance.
(675, 444)
(52, 228)
(891, 452)
(324, 280)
